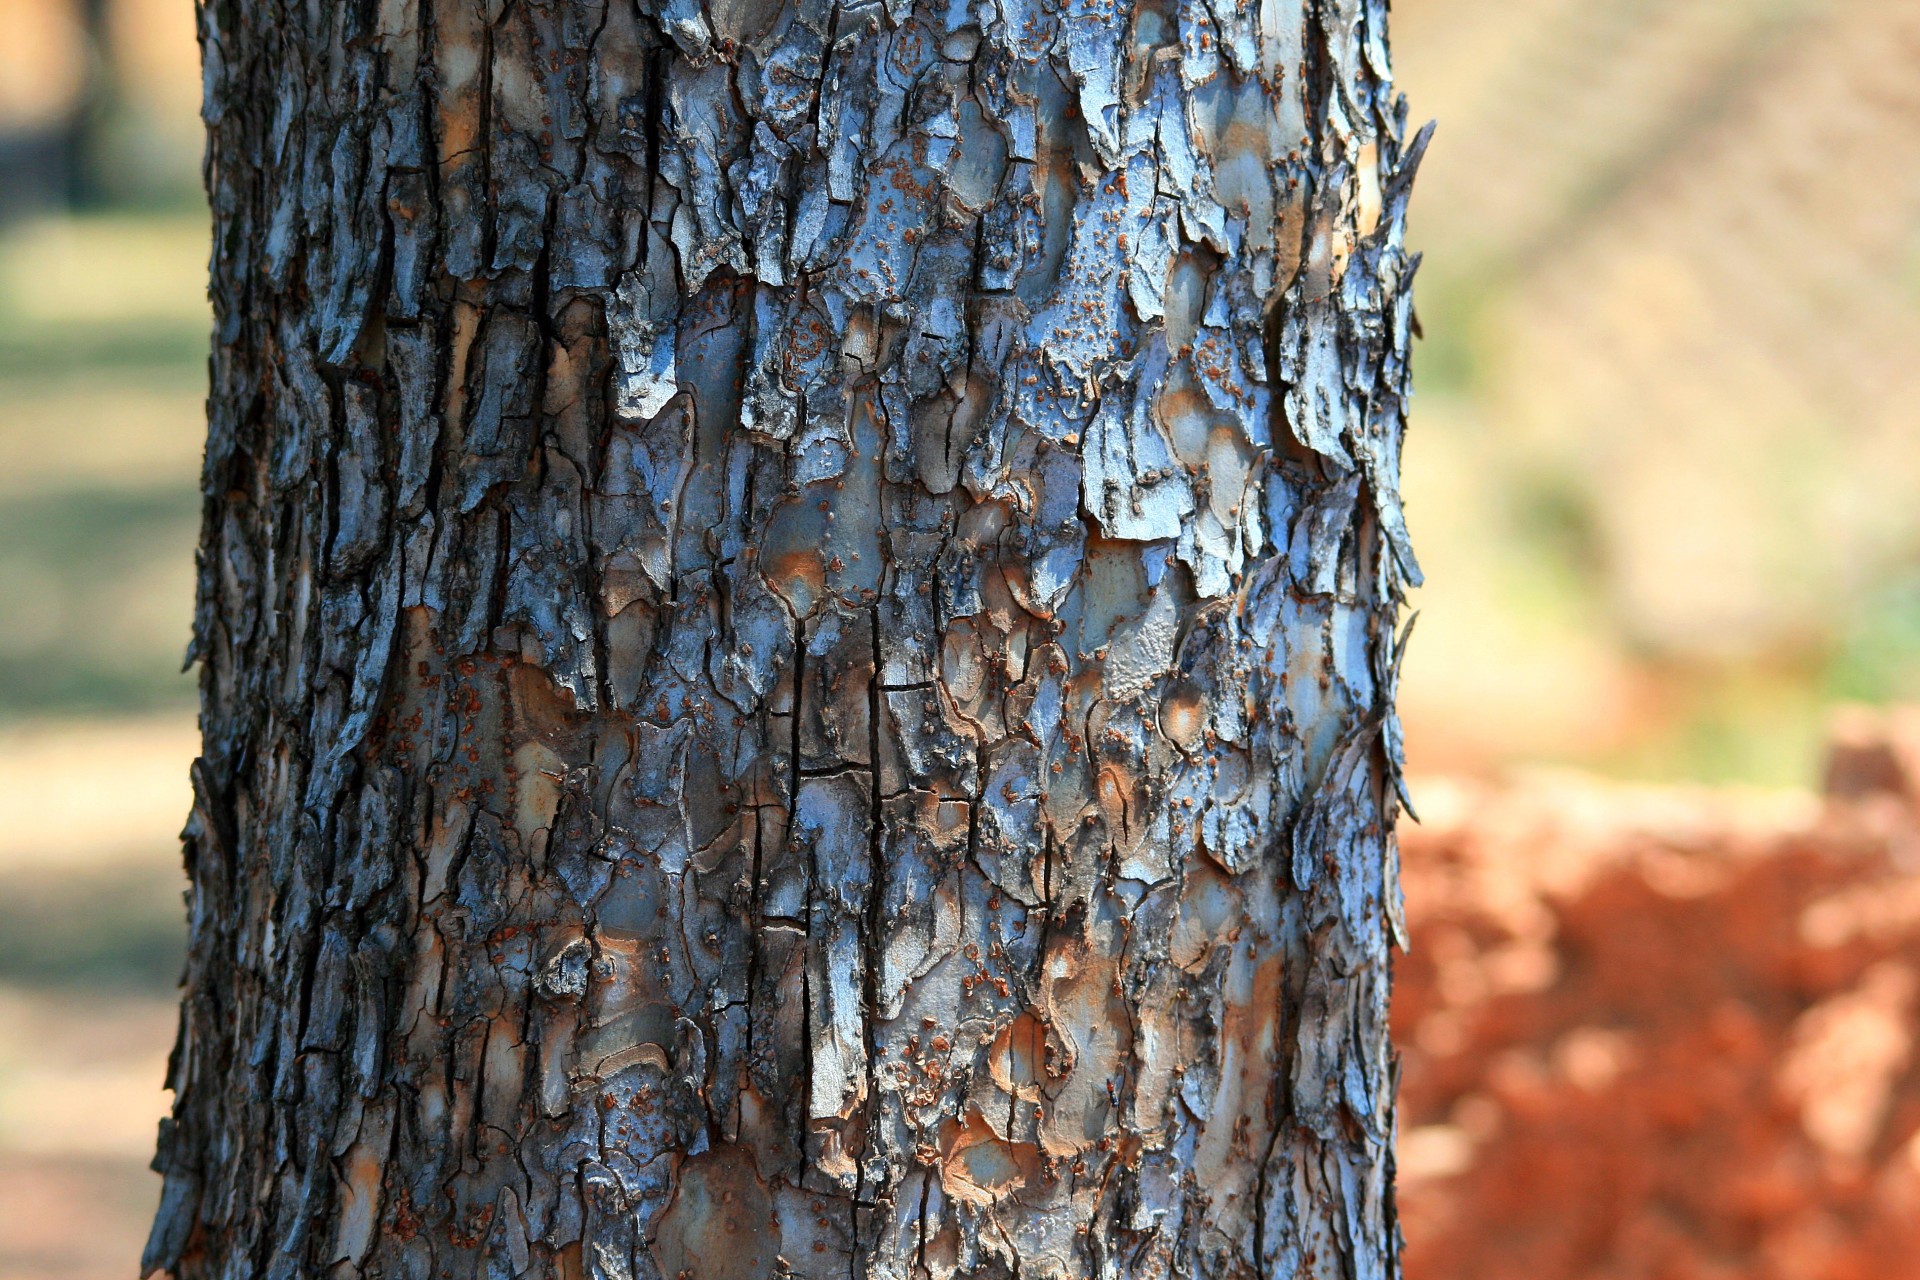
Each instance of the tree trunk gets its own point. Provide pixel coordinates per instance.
(797, 645)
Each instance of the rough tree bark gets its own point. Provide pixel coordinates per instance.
(797, 636)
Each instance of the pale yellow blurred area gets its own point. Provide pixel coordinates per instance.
(89, 917)
(43, 61)
(82, 1086)
(1665, 468)
(81, 793)
(114, 270)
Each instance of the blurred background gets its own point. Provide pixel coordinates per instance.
(1664, 474)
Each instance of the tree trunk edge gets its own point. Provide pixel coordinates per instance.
(798, 628)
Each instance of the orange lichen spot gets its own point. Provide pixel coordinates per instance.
(804, 569)
(979, 1167)
(1183, 715)
(1017, 1057)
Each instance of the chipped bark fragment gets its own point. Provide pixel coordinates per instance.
(796, 618)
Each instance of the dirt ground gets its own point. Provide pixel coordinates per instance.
(90, 943)
(1665, 1034)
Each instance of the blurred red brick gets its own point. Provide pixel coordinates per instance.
(1657, 1034)
(1874, 752)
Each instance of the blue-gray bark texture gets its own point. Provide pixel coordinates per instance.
(797, 623)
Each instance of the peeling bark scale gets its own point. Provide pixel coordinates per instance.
(797, 621)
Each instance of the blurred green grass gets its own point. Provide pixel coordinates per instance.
(103, 333)
(132, 941)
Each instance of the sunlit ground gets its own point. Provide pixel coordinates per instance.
(102, 375)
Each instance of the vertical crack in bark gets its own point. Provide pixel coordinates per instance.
(873, 944)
